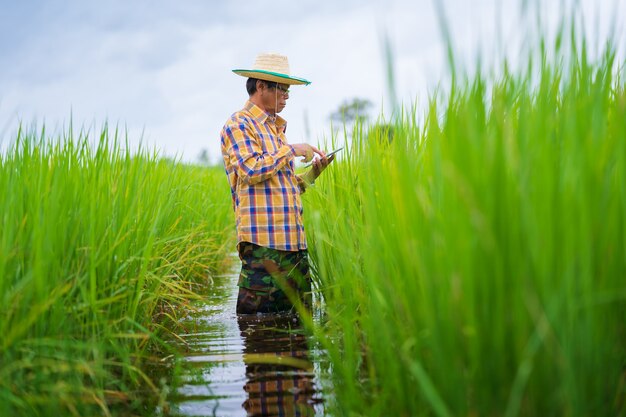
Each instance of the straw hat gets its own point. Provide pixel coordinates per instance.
(271, 67)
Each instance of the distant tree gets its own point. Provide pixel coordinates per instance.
(351, 111)
(203, 157)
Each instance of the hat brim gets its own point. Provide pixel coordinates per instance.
(271, 76)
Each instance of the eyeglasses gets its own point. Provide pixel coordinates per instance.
(284, 91)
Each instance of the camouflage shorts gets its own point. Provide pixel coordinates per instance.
(269, 277)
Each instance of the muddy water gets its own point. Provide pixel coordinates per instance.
(261, 365)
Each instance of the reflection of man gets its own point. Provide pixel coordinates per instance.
(266, 191)
(278, 371)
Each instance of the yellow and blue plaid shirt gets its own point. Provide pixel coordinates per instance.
(265, 190)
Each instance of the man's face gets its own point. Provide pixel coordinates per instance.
(275, 98)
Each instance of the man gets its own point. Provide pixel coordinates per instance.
(266, 191)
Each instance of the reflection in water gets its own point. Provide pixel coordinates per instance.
(279, 374)
(242, 365)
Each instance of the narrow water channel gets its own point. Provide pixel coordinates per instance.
(261, 365)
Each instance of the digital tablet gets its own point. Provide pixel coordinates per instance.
(328, 155)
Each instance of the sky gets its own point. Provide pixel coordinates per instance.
(161, 70)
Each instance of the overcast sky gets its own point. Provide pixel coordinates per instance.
(162, 69)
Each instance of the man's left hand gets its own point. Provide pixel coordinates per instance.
(318, 166)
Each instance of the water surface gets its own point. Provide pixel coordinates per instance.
(258, 365)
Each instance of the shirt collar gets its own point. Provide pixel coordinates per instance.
(261, 116)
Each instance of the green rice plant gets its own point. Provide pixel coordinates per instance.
(472, 262)
(99, 246)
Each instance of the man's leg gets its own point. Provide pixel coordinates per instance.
(270, 277)
(295, 280)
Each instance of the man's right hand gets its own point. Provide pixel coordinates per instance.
(307, 151)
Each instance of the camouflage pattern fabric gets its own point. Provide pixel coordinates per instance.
(269, 277)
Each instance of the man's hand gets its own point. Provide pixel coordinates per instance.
(318, 166)
(308, 151)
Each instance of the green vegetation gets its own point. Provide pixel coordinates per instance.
(98, 247)
(471, 262)
(474, 263)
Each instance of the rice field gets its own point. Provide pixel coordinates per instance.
(472, 260)
(469, 261)
(98, 248)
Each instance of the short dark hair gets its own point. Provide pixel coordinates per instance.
(251, 85)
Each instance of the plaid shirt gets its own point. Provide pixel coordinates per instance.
(263, 183)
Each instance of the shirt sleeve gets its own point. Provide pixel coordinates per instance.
(247, 156)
